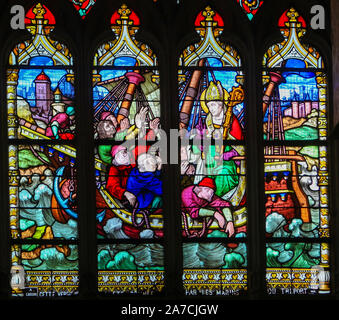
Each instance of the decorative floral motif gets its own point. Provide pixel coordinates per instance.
(83, 6)
(251, 7)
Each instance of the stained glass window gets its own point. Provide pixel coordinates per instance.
(213, 166)
(42, 168)
(295, 108)
(126, 108)
(83, 6)
(93, 208)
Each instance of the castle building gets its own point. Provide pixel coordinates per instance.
(43, 97)
(301, 108)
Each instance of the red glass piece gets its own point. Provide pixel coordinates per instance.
(30, 15)
(132, 16)
(284, 18)
(217, 18)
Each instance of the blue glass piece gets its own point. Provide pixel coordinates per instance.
(295, 63)
(66, 88)
(99, 93)
(213, 62)
(299, 86)
(41, 61)
(111, 74)
(125, 62)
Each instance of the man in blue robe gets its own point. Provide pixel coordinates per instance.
(145, 183)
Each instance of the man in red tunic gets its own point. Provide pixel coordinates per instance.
(116, 185)
(118, 175)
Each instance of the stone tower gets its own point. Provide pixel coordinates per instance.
(43, 96)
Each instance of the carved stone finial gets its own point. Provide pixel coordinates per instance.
(124, 12)
(208, 14)
(292, 15)
(39, 11)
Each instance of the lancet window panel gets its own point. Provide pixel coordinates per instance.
(42, 162)
(128, 166)
(212, 120)
(295, 127)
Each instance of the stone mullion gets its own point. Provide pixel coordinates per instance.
(323, 190)
(324, 274)
(13, 166)
(12, 82)
(322, 120)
